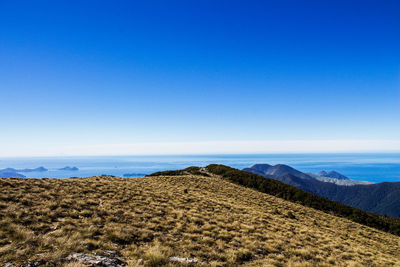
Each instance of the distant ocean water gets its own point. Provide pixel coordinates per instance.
(367, 167)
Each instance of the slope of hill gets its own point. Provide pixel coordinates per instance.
(176, 219)
(382, 198)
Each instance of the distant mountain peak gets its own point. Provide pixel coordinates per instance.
(275, 171)
(260, 166)
(334, 174)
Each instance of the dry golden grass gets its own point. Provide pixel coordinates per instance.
(154, 218)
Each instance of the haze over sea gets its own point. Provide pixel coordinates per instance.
(367, 166)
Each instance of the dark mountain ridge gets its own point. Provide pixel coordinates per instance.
(381, 198)
(276, 171)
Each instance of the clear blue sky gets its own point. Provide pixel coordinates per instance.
(93, 73)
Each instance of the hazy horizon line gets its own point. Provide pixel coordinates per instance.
(212, 148)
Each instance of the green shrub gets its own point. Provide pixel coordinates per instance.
(290, 215)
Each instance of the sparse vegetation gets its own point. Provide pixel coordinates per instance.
(152, 219)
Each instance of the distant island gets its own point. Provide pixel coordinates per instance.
(11, 172)
(38, 169)
(134, 175)
(68, 168)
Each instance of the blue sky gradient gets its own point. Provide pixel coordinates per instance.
(78, 73)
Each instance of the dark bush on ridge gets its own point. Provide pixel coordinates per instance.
(167, 173)
(190, 170)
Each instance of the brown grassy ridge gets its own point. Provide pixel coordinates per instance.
(154, 218)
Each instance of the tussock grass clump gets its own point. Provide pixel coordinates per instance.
(157, 255)
(149, 220)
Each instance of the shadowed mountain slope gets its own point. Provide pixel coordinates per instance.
(382, 198)
(276, 171)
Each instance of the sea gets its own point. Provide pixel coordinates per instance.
(382, 167)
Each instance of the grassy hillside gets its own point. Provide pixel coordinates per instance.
(208, 218)
(291, 193)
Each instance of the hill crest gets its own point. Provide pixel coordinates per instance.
(157, 219)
